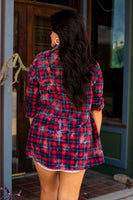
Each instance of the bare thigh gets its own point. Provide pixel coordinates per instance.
(70, 184)
(49, 180)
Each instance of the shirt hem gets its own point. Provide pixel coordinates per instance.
(88, 165)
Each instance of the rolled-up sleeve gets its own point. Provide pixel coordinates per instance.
(32, 92)
(97, 89)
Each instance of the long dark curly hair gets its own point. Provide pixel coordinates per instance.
(74, 54)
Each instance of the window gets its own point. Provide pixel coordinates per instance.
(108, 24)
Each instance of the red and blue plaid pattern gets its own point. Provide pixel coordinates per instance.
(60, 136)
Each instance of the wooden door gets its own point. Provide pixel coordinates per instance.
(39, 28)
(31, 36)
(20, 163)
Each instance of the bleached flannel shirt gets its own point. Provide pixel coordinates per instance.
(60, 137)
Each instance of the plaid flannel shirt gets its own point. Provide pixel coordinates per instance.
(60, 136)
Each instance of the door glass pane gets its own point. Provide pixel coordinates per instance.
(108, 24)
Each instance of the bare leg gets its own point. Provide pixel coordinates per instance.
(70, 184)
(49, 181)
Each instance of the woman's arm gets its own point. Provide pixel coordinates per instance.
(97, 98)
(98, 119)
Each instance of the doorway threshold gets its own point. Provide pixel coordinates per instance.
(23, 175)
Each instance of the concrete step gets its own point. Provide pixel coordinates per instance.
(126, 194)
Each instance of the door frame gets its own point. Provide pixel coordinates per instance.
(1, 92)
(6, 39)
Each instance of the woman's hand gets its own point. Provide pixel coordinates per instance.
(30, 120)
(98, 119)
